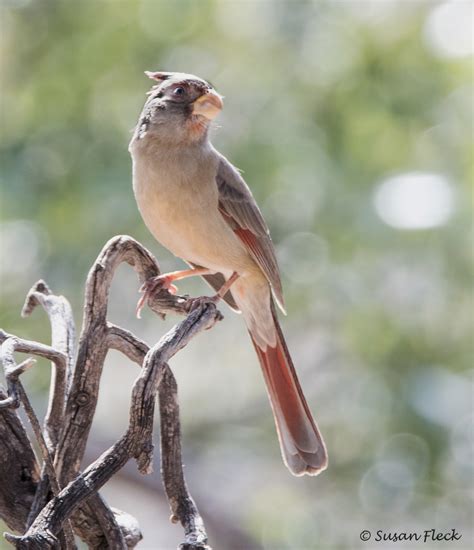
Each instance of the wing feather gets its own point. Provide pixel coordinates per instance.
(240, 210)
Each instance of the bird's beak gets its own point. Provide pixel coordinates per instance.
(208, 105)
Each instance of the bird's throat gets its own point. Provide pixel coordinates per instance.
(197, 127)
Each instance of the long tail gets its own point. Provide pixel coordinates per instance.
(302, 446)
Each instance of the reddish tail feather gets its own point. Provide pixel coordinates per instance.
(302, 446)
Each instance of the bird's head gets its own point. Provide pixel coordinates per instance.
(179, 108)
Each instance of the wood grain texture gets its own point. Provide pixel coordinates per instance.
(38, 503)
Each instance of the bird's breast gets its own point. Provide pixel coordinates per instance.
(179, 204)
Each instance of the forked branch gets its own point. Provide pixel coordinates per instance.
(64, 492)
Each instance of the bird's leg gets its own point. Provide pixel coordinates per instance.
(195, 302)
(165, 281)
(225, 287)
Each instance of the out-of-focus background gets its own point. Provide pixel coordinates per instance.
(352, 123)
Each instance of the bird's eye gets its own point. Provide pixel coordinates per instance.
(179, 91)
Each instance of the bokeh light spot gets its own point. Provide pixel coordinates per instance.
(448, 29)
(450, 392)
(402, 459)
(415, 200)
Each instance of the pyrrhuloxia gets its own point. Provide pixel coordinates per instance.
(197, 205)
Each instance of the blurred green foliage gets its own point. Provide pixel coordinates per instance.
(325, 101)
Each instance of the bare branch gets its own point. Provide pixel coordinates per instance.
(16, 390)
(135, 443)
(12, 373)
(68, 424)
(182, 505)
(62, 340)
(60, 315)
(47, 459)
(35, 348)
(82, 398)
(19, 467)
(17, 393)
(93, 347)
(83, 394)
(127, 343)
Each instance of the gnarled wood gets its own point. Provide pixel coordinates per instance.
(62, 491)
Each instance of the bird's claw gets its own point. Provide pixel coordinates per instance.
(151, 287)
(202, 301)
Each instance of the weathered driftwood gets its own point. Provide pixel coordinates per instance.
(40, 504)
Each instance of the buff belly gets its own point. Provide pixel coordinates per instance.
(184, 217)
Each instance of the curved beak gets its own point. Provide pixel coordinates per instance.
(208, 105)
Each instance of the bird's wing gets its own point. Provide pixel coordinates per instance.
(239, 209)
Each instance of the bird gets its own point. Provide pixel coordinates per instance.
(198, 206)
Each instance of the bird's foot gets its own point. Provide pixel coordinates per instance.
(202, 301)
(151, 287)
